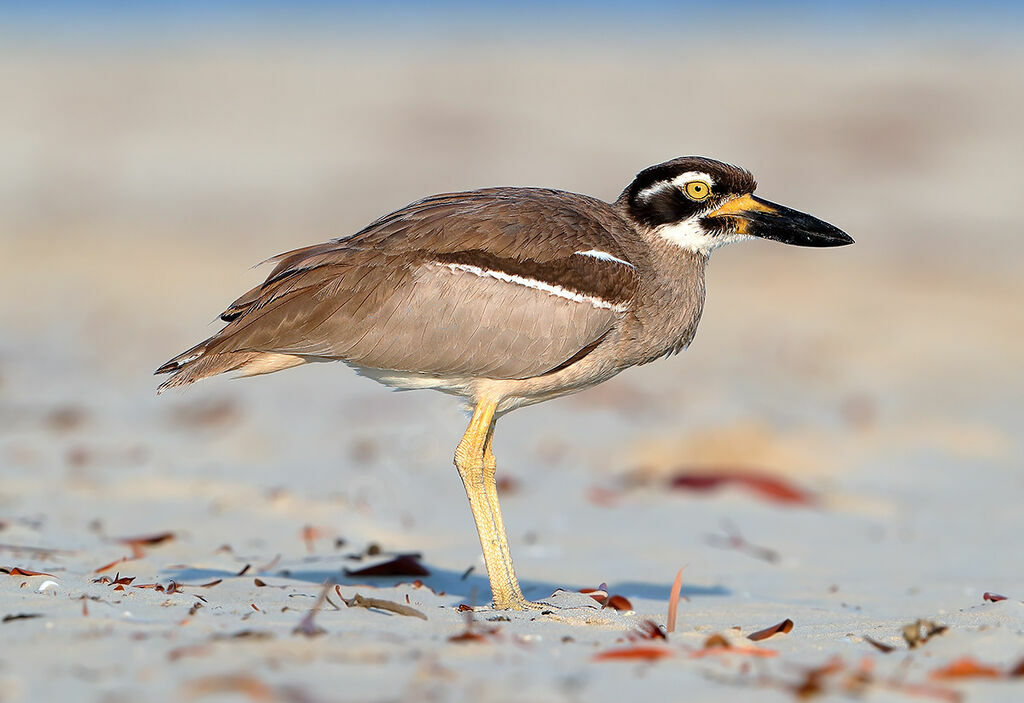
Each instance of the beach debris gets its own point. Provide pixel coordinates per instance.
(245, 685)
(244, 635)
(209, 414)
(35, 552)
(761, 485)
(266, 567)
(646, 630)
(604, 598)
(620, 603)
(964, 668)
(992, 597)
(46, 585)
(401, 565)
(20, 616)
(137, 543)
(360, 601)
(600, 594)
(507, 485)
(784, 627)
(732, 539)
(18, 571)
(880, 646)
(111, 565)
(717, 643)
(474, 632)
(813, 682)
(920, 631)
(66, 418)
(673, 602)
(637, 653)
(310, 534)
(307, 626)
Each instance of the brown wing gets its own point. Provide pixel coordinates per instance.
(500, 283)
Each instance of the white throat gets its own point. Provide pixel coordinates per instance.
(689, 235)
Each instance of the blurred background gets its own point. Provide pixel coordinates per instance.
(151, 153)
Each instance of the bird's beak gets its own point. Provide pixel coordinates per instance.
(751, 215)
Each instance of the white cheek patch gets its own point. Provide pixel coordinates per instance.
(677, 182)
(689, 235)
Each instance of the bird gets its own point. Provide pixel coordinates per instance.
(505, 297)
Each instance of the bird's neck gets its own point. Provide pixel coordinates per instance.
(673, 298)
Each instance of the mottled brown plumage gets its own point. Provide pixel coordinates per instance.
(504, 296)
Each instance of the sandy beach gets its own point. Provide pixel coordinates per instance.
(841, 446)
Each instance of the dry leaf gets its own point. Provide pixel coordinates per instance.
(964, 668)
(402, 565)
(673, 601)
(647, 630)
(619, 603)
(784, 626)
(767, 487)
(21, 616)
(111, 565)
(634, 653)
(920, 631)
(18, 571)
(993, 597)
(880, 646)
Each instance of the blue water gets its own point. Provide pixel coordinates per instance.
(793, 19)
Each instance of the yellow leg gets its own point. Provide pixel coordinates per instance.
(476, 466)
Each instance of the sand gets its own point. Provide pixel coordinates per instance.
(881, 383)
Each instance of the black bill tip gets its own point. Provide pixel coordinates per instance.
(761, 218)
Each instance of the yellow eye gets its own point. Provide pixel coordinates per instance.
(697, 190)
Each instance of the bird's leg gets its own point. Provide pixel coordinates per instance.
(476, 466)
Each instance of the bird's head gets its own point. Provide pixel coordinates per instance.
(701, 204)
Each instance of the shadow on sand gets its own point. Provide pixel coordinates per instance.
(473, 588)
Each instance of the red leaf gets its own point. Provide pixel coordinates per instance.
(647, 630)
(600, 594)
(964, 668)
(673, 601)
(473, 634)
(767, 487)
(147, 540)
(619, 603)
(993, 597)
(718, 644)
(784, 626)
(402, 565)
(18, 571)
(634, 653)
(111, 565)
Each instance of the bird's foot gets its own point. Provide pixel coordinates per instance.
(522, 604)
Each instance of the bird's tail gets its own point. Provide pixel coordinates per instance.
(204, 360)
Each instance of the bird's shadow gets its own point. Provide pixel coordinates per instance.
(472, 587)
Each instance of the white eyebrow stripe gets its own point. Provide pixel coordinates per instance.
(535, 284)
(602, 256)
(676, 182)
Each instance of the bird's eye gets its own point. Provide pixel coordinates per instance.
(697, 190)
